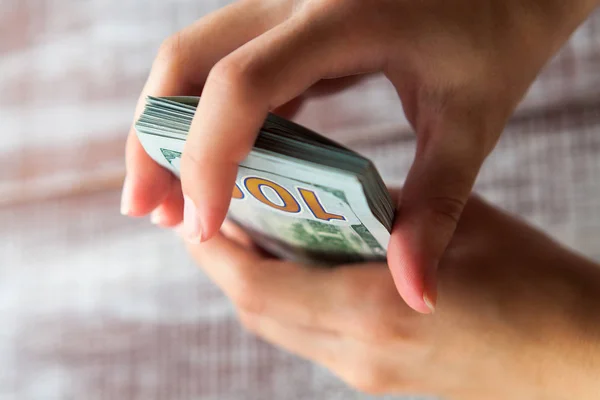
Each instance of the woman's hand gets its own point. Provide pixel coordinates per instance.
(459, 66)
(516, 319)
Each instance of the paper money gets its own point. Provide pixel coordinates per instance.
(300, 195)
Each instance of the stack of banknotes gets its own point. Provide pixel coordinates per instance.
(300, 195)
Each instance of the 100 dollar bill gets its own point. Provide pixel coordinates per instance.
(296, 210)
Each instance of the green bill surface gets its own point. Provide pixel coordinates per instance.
(297, 209)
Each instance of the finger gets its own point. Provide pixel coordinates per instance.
(181, 68)
(170, 212)
(260, 76)
(346, 299)
(433, 197)
(315, 345)
(241, 237)
(236, 234)
(146, 183)
(260, 286)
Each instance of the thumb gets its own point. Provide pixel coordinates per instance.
(433, 197)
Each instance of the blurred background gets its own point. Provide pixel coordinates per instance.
(94, 305)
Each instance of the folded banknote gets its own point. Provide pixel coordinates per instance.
(300, 195)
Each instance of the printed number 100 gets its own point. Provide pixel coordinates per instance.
(255, 187)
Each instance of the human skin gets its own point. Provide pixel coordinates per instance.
(516, 317)
(460, 68)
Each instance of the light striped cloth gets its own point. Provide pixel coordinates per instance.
(97, 306)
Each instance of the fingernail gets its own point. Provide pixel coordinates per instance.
(126, 197)
(430, 303)
(191, 222)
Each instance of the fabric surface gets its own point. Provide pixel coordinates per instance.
(98, 306)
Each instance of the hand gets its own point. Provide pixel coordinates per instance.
(517, 314)
(460, 67)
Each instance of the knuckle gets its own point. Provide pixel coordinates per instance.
(375, 323)
(190, 161)
(191, 167)
(310, 6)
(246, 294)
(376, 328)
(371, 321)
(367, 377)
(171, 50)
(333, 11)
(234, 72)
(446, 209)
(352, 286)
